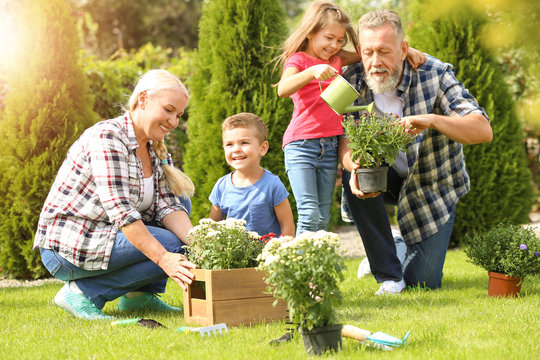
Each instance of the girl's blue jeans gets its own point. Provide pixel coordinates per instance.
(311, 166)
(128, 270)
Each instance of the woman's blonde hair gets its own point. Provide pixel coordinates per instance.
(152, 82)
(319, 15)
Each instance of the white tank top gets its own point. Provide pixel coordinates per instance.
(148, 193)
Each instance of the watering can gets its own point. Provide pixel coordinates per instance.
(339, 94)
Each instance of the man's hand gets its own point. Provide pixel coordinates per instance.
(355, 188)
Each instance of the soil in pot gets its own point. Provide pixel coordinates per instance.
(372, 180)
(321, 339)
(503, 285)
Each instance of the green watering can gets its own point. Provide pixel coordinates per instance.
(339, 94)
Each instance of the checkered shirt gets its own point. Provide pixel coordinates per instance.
(96, 192)
(437, 175)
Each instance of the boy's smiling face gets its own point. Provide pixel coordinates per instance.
(243, 150)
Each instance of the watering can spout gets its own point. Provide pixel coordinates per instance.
(340, 94)
(368, 108)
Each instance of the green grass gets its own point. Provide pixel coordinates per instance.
(458, 321)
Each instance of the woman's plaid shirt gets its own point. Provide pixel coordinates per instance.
(96, 192)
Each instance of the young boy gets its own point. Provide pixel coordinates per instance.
(250, 192)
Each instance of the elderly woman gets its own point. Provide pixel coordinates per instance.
(116, 218)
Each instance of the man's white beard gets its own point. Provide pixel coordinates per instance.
(391, 82)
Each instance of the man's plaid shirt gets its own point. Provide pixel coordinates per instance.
(437, 175)
(96, 192)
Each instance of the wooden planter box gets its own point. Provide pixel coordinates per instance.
(234, 297)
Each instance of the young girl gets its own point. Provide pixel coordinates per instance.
(312, 56)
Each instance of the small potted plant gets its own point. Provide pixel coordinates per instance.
(509, 253)
(226, 244)
(375, 142)
(305, 272)
(227, 286)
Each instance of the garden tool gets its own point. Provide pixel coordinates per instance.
(379, 339)
(339, 94)
(149, 323)
(215, 330)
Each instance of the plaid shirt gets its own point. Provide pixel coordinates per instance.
(96, 192)
(437, 176)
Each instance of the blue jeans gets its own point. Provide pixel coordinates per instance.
(423, 262)
(391, 259)
(128, 270)
(311, 166)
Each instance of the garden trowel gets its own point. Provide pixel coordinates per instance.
(378, 339)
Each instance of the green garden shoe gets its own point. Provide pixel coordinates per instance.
(145, 301)
(78, 305)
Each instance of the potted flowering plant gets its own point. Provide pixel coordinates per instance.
(305, 271)
(375, 141)
(509, 253)
(227, 286)
(223, 244)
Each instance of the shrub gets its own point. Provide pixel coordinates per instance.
(47, 106)
(232, 74)
(501, 187)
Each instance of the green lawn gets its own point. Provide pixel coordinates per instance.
(457, 322)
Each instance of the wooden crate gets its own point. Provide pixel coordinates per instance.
(234, 297)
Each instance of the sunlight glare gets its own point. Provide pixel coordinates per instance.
(11, 35)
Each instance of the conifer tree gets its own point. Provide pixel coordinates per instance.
(501, 187)
(232, 74)
(46, 108)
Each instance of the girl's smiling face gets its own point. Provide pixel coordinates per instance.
(326, 42)
(160, 112)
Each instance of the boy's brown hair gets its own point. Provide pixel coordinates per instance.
(247, 120)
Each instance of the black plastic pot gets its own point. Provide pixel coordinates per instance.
(372, 180)
(321, 339)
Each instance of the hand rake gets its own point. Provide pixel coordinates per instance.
(215, 330)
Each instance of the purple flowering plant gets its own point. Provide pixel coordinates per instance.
(305, 272)
(375, 139)
(507, 249)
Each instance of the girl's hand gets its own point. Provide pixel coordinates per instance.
(177, 267)
(323, 72)
(415, 58)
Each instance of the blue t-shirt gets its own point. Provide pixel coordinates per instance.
(254, 203)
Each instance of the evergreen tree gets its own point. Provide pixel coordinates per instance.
(501, 187)
(46, 108)
(232, 74)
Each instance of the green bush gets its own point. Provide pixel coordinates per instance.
(232, 73)
(501, 187)
(47, 106)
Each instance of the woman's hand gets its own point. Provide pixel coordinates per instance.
(177, 267)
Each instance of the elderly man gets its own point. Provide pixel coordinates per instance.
(427, 182)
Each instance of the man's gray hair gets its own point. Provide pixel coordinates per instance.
(376, 19)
